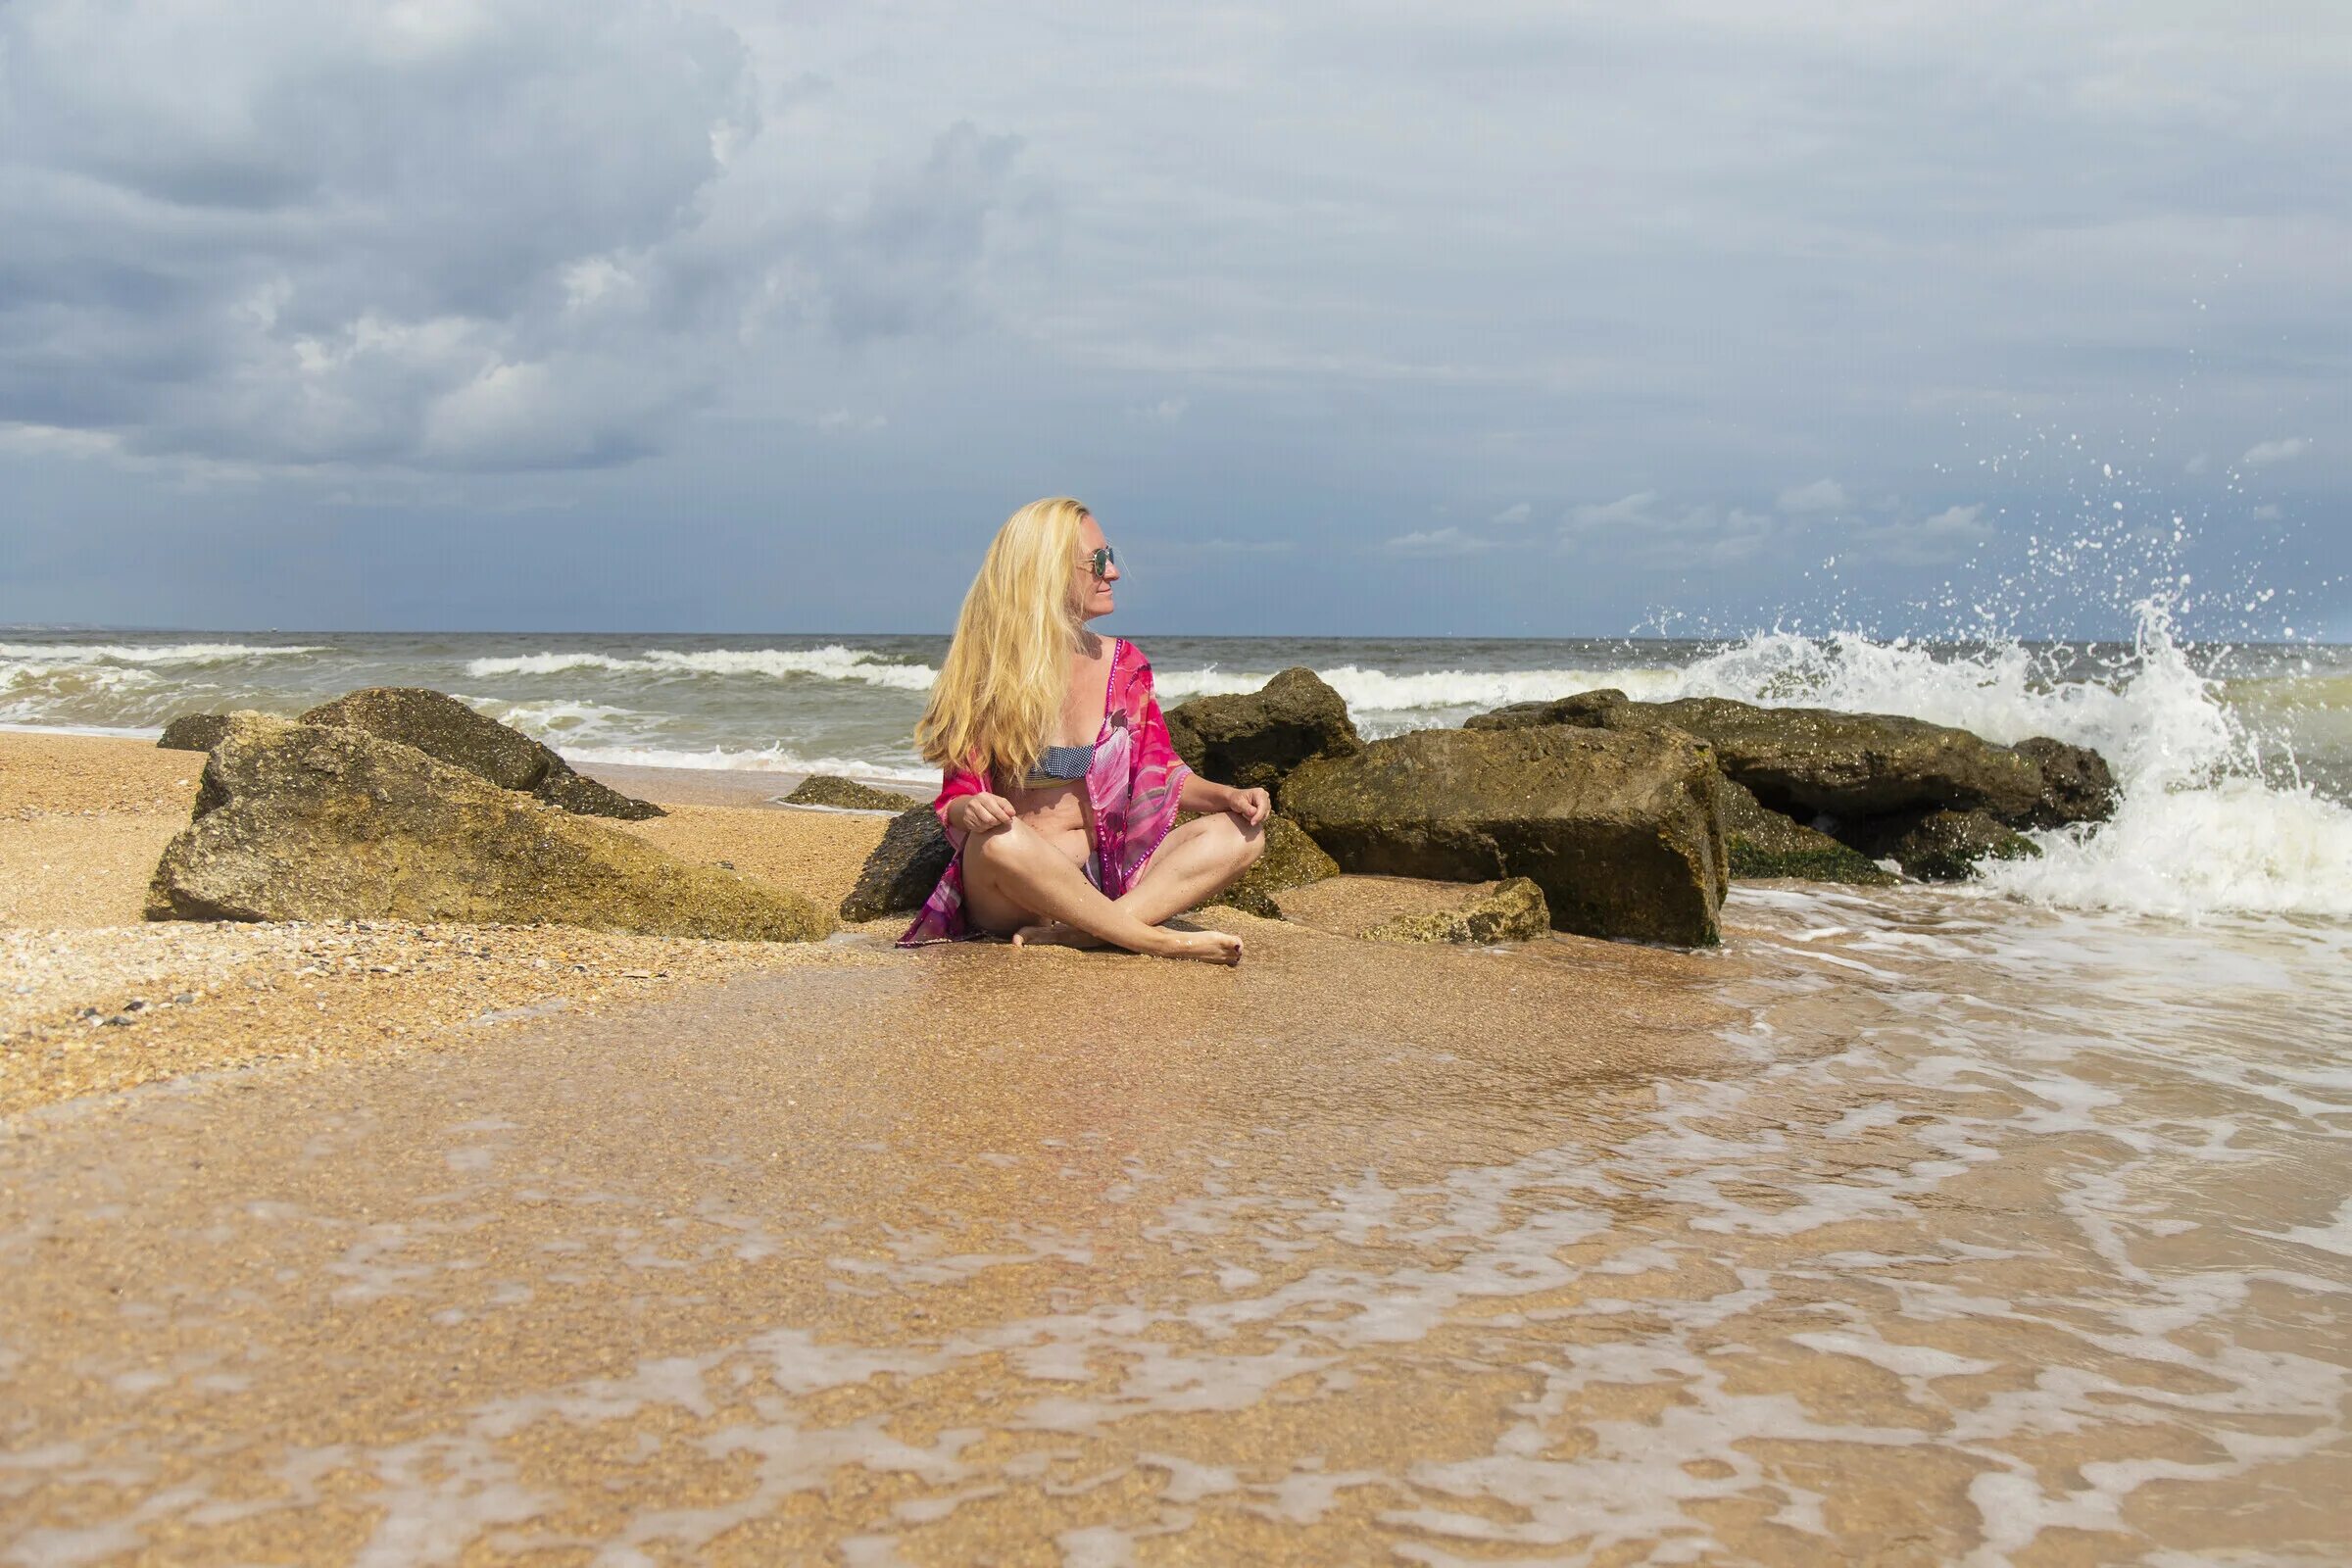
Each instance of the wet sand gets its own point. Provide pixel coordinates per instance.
(1576, 1252)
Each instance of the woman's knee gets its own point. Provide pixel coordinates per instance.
(1005, 844)
(1246, 845)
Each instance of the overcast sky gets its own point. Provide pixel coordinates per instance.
(1540, 320)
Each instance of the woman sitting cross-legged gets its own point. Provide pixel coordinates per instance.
(1063, 787)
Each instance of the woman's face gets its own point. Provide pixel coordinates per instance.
(1093, 593)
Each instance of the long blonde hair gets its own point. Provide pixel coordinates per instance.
(1001, 688)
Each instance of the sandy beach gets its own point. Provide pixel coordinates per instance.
(99, 1000)
(351, 1244)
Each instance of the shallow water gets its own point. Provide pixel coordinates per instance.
(1917, 1228)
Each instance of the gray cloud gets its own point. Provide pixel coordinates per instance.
(476, 237)
(1275, 275)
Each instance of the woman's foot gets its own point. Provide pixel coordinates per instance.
(1055, 934)
(1208, 947)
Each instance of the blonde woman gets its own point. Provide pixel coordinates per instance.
(1061, 788)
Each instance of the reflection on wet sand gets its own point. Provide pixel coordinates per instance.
(1837, 1247)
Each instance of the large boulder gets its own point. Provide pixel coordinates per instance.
(1291, 859)
(1763, 842)
(446, 729)
(845, 794)
(1808, 760)
(1511, 911)
(1254, 739)
(1622, 830)
(193, 732)
(903, 868)
(328, 822)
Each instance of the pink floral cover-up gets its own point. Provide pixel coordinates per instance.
(1133, 788)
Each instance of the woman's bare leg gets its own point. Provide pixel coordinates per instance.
(1014, 877)
(1195, 861)
(1202, 858)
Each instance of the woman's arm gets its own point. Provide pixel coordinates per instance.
(966, 803)
(1200, 795)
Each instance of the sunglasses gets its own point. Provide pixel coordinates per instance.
(1099, 562)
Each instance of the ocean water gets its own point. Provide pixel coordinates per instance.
(2235, 759)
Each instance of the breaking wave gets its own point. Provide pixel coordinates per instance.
(834, 662)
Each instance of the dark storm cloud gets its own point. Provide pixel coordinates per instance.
(437, 235)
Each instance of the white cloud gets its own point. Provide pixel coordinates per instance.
(2265, 451)
(1167, 411)
(1447, 541)
(1822, 495)
(1512, 516)
(1635, 509)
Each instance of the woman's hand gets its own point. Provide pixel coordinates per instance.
(976, 814)
(1253, 807)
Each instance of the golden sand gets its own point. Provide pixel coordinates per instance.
(92, 998)
(1355, 1253)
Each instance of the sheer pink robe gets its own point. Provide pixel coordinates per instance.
(1133, 788)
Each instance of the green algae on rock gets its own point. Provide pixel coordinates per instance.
(329, 822)
(1764, 843)
(1621, 830)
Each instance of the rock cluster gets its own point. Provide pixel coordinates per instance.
(1630, 817)
(301, 821)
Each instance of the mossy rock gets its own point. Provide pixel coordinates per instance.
(1291, 859)
(1255, 739)
(1582, 709)
(329, 822)
(845, 794)
(1621, 831)
(447, 731)
(1949, 846)
(1512, 912)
